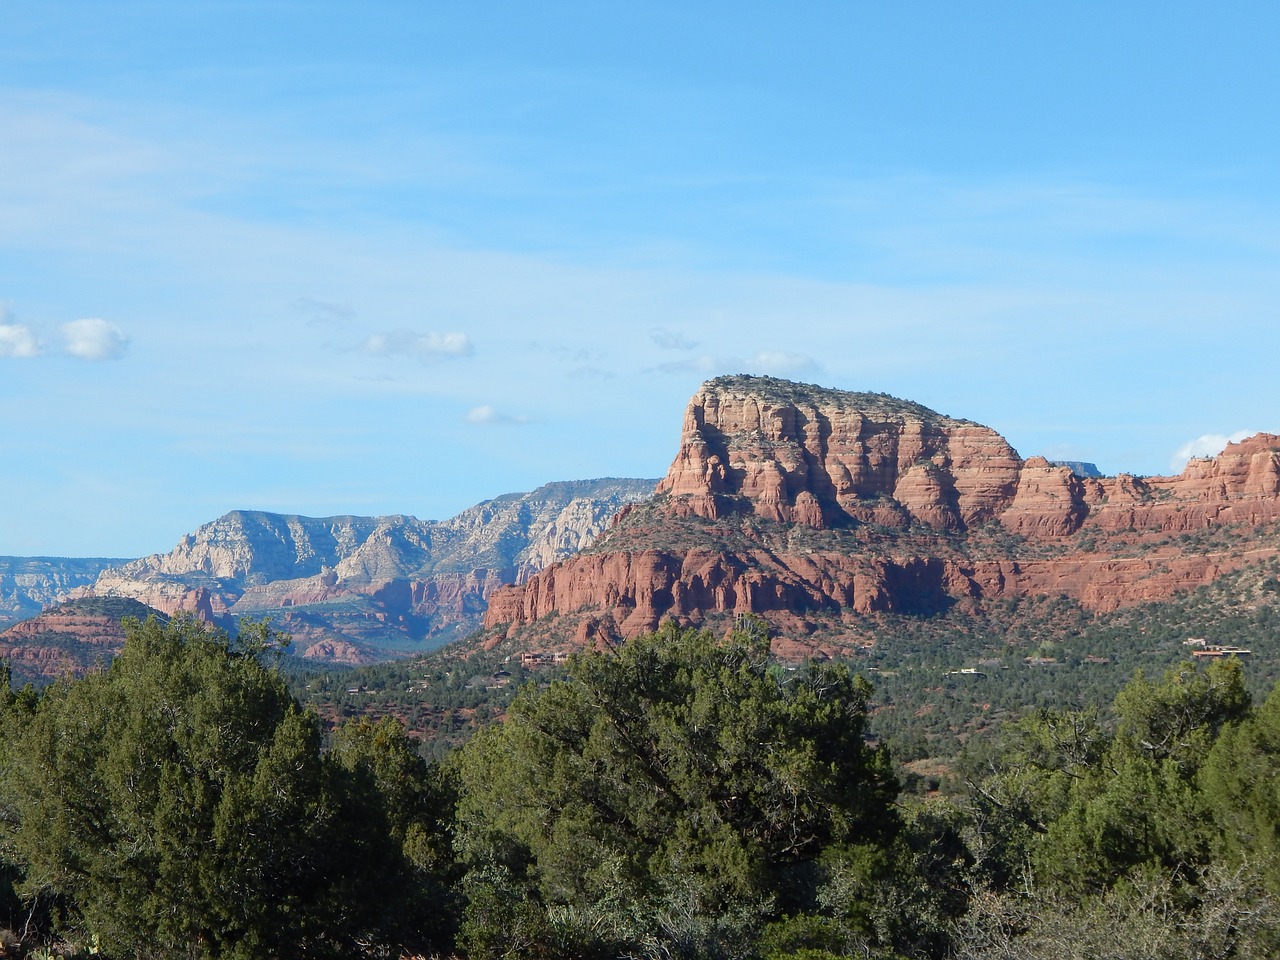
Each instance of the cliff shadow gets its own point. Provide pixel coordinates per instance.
(918, 588)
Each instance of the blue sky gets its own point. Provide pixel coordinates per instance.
(399, 257)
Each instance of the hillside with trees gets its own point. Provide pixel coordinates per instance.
(687, 796)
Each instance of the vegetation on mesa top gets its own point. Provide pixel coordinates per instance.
(115, 607)
(810, 394)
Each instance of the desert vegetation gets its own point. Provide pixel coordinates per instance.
(683, 796)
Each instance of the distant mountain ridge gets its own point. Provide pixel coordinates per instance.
(356, 589)
(817, 509)
(29, 584)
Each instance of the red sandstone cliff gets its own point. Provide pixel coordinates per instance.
(804, 504)
(69, 638)
(817, 457)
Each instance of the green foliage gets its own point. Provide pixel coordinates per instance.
(438, 697)
(413, 807)
(922, 711)
(1157, 832)
(1241, 780)
(10, 870)
(684, 796)
(668, 798)
(178, 805)
(1180, 718)
(1089, 809)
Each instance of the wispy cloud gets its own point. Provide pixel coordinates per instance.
(780, 363)
(427, 347)
(1208, 445)
(590, 372)
(322, 313)
(491, 417)
(671, 339)
(93, 339)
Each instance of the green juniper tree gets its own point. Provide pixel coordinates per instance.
(1153, 839)
(1241, 781)
(413, 806)
(178, 804)
(669, 800)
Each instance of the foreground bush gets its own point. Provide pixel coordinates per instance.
(179, 805)
(670, 800)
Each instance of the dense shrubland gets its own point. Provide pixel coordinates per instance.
(179, 804)
(682, 797)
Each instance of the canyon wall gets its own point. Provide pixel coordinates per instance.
(901, 509)
(365, 588)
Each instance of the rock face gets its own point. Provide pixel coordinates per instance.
(68, 638)
(29, 584)
(811, 506)
(357, 589)
(800, 454)
(1080, 468)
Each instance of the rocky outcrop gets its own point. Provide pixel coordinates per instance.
(68, 639)
(169, 595)
(357, 589)
(29, 584)
(252, 547)
(1049, 501)
(803, 454)
(336, 651)
(642, 588)
(801, 503)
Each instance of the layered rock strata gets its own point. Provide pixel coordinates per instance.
(30, 584)
(905, 510)
(821, 457)
(357, 589)
(68, 638)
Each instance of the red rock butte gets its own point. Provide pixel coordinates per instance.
(804, 504)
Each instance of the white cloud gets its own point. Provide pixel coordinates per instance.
(1208, 445)
(489, 416)
(424, 346)
(17, 340)
(93, 339)
(89, 339)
